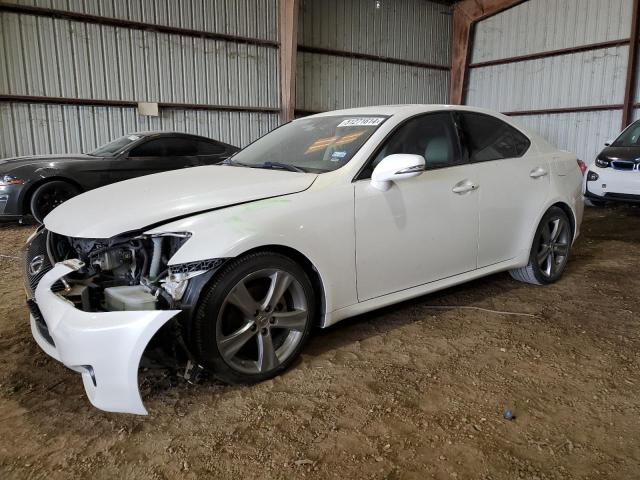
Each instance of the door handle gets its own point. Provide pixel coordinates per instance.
(538, 172)
(464, 187)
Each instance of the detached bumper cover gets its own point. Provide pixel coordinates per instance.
(105, 347)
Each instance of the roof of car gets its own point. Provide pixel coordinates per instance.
(148, 133)
(164, 133)
(404, 109)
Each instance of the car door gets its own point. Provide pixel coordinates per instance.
(424, 228)
(514, 185)
(157, 154)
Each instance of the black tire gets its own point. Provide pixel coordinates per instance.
(48, 196)
(543, 270)
(217, 319)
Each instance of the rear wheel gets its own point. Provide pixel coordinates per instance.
(550, 250)
(48, 196)
(254, 318)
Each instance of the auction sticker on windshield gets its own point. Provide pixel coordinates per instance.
(361, 122)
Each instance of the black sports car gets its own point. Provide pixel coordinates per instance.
(37, 184)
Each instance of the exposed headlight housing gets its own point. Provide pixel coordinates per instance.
(7, 180)
(602, 163)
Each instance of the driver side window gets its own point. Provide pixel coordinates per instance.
(433, 136)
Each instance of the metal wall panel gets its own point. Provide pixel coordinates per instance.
(327, 82)
(406, 29)
(62, 58)
(39, 129)
(595, 77)
(583, 133)
(542, 25)
(636, 91)
(247, 18)
(414, 30)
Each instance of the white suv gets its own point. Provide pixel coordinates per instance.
(615, 174)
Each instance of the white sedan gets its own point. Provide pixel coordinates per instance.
(326, 217)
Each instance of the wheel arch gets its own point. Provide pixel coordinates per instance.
(26, 198)
(309, 268)
(570, 214)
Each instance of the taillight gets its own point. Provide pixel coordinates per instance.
(582, 166)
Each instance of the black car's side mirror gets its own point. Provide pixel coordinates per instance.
(607, 144)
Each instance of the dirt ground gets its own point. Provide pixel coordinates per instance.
(405, 392)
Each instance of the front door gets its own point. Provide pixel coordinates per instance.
(424, 228)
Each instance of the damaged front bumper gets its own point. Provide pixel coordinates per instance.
(105, 347)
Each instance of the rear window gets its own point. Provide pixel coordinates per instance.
(489, 138)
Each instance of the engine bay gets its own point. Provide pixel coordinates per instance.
(128, 272)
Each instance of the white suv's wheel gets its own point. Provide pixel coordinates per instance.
(550, 250)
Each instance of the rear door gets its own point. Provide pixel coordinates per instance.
(514, 185)
(158, 154)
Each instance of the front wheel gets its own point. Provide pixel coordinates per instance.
(254, 318)
(550, 250)
(48, 196)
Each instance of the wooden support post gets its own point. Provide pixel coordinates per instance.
(460, 55)
(632, 65)
(288, 51)
(465, 14)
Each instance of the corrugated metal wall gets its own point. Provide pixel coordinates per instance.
(74, 59)
(256, 19)
(582, 79)
(40, 129)
(636, 89)
(411, 30)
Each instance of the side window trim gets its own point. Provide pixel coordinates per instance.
(462, 160)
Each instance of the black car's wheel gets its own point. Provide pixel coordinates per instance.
(550, 250)
(49, 195)
(254, 318)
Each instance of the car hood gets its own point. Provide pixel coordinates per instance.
(14, 162)
(145, 201)
(621, 153)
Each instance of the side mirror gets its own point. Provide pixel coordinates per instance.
(396, 167)
(607, 144)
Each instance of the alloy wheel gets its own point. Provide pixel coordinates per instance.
(261, 321)
(554, 244)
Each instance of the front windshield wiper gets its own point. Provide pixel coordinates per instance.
(285, 166)
(270, 165)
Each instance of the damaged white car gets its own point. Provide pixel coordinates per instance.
(324, 218)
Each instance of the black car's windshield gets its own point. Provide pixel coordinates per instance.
(317, 144)
(630, 137)
(115, 147)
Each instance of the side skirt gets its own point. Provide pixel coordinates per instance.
(396, 297)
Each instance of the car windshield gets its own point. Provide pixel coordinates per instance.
(315, 144)
(630, 137)
(115, 147)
